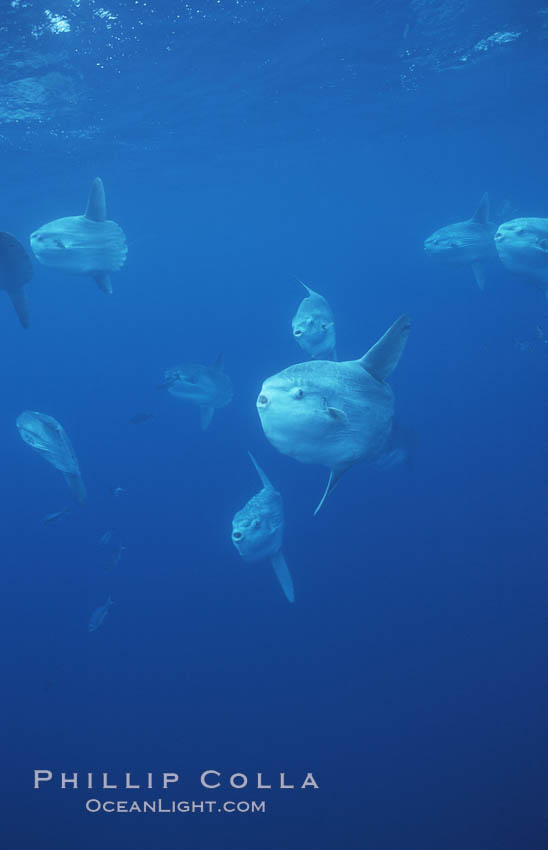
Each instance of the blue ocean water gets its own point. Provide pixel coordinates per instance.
(242, 144)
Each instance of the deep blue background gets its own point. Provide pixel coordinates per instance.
(324, 140)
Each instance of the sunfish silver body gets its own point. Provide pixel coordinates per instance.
(334, 414)
(86, 244)
(314, 327)
(522, 245)
(48, 437)
(207, 386)
(466, 242)
(15, 271)
(257, 531)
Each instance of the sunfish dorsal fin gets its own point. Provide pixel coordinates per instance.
(481, 216)
(335, 476)
(265, 482)
(382, 358)
(283, 575)
(96, 209)
(19, 301)
(310, 291)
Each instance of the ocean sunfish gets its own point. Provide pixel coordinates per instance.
(522, 245)
(48, 437)
(207, 386)
(314, 326)
(257, 531)
(86, 244)
(15, 271)
(334, 414)
(466, 242)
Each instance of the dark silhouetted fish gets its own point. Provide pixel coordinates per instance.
(139, 418)
(15, 272)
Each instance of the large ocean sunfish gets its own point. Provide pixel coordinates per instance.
(257, 531)
(86, 244)
(522, 245)
(15, 271)
(466, 242)
(314, 326)
(334, 414)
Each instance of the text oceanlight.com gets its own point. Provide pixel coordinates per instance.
(173, 807)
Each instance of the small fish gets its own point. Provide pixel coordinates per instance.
(53, 517)
(105, 538)
(139, 418)
(99, 615)
(115, 558)
(117, 491)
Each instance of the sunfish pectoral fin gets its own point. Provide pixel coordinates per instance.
(206, 415)
(338, 415)
(481, 216)
(96, 209)
(102, 279)
(283, 575)
(479, 274)
(382, 358)
(77, 486)
(265, 482)
(19, 301)
(334, 477)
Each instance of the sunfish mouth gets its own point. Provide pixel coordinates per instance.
(262, 401)
(237, 536)
(297, 332)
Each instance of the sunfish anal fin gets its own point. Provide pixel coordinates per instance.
(481, 216)
(19, 301)
(479, 274)
(96, 209)
(102, 279)
(334, 477)
(283, 575)
(77, 486)
(382, 358)
(264, 480)
(206, 414)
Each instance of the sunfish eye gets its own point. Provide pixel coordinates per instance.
(257, 523)
(297, 393)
